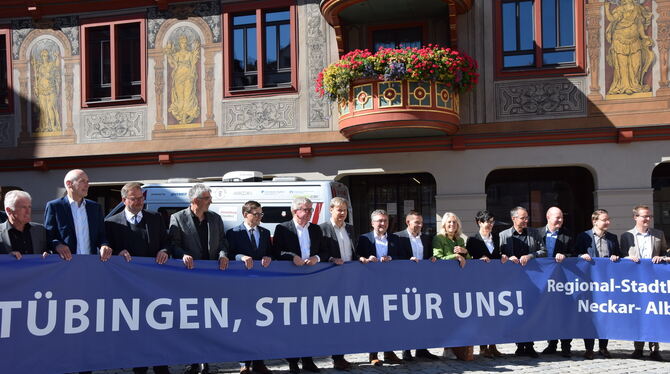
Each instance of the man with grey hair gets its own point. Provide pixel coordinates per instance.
(521, 244)
(74, 224)
(300, 241)
(378, 245)
(196, 233)
(19, 236)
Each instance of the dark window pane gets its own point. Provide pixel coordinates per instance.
(4, 90)
(271, 47)
(282, 15)
(397, 38)
(526, 34)
(554, 58)
(519, 61)
(284, 58)
(98, 63)
(567, 24)
(238, 50)
(251, 52)
(548, 23)
(509, 27)
(244, 19)
(128, 60)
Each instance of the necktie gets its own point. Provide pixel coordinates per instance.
(253, 239)
(135, 219)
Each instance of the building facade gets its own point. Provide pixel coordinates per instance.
(572, 107)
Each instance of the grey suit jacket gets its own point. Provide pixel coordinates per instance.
(331, 243)
(184, 239)
(629, 246)
(37, 234)
(510, 246)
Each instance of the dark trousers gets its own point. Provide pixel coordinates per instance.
(589, 343)
(338, 357)
(526, 345)
(163, 369)
(254, 362)
(565, 344)
(294, 360)
(639, 346)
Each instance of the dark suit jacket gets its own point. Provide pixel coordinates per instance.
(629, 246)
(477, 248)
(59, 224)
(585, 243)
(38, 236)
(184, 240)
(366, 247)
(406, 246)
(565, 244)
(239, 243)
(535, 243)
(330, 243)
(119, 233)
(286, 243)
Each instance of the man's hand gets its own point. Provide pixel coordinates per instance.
(105, 253)
(248, 262)
(312, 261)
(559, 257)
(514, 259)
(16, 254)
(634, 259)
(45, 254)
(614, 258)
(524, 259)
(485, 259)
(64, 252)
(414, 259)
(503, 259)
(297, 261)
(386, 258)
(223, 263)
(188, 261)
(125, 255)
(265, 261)
(433, 259)
(657, 259)
(586, 257)
(161, 257)
(336, 260)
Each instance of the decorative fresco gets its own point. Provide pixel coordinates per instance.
(46, 84)
(182, 52)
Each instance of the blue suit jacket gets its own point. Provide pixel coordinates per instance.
(585, 243)
(239, 243)
(59, 223)
(366, 247)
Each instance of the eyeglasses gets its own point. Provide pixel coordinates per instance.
(646, 217)
(306, 210)
(257, 214)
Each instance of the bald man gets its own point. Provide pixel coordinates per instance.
(559, 245)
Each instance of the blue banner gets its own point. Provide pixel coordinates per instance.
(88, 315)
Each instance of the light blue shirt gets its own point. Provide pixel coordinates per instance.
(80, 219)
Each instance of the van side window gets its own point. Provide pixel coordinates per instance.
(276, 214)
(166, 212)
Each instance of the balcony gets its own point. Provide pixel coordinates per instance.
(393, 109)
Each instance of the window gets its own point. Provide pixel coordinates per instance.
(397, 38)
(5, 72)
(261, 51)
(113, 62)
(535, 35)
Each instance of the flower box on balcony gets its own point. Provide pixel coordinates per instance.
(398, 92)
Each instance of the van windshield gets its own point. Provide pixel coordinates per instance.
(276, 214)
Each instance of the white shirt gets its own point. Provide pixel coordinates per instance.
(343, 240)
(417, 245)
(129, 217)
(303, 239)
(257, 234)
(381, 246)
(644, 243)
(489, 243)
(80, 219)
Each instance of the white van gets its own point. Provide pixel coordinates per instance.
(228, 196)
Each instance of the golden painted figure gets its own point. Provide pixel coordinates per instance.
(630, 53)
(184, 103)
(46, 86)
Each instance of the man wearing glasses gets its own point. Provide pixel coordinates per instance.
(639, 242)
(300, 241)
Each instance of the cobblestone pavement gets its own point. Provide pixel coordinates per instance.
(620, 363)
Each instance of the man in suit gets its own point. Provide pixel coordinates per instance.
(74, 224)
(559, 245)
(250, 242)
(138, 232)
(300, 241)
(340, 245)
(642, 241)
(597, 242)
(420, 245)
(195, 233)
(378, 245)
(521, 244)
(19, 236)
